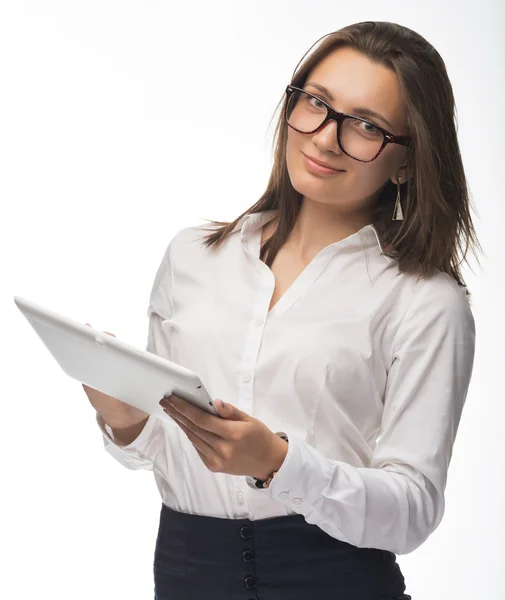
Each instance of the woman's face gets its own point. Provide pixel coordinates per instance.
(353, 81)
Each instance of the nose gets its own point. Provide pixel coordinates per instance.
(327, 137)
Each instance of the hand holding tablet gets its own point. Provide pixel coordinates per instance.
(115, 413)
(119, 370)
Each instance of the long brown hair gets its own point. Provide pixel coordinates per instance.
(437, 224)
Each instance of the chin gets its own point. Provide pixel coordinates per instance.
(308, 184)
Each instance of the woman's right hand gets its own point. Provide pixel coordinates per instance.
(111, 409)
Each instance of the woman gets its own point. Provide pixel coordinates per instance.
(333, 320)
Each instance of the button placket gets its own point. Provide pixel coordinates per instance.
(246, 532)
(260, 314)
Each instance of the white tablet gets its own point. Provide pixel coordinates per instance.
(101, 361)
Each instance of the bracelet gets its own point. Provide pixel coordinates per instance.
(263, 484)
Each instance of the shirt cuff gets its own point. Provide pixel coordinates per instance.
(302, 477)
(133, 454)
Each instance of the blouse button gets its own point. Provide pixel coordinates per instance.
(246, 376)
(297, 501)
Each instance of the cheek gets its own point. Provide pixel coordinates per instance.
(369, 177)
(388, 162)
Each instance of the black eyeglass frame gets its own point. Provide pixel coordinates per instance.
(389, 138)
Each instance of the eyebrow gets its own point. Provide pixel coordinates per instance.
(366, 112)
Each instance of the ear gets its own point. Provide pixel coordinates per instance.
(403, 173)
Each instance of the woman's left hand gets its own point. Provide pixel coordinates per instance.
(234, 443)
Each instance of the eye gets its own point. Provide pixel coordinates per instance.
(318, 103)
(373, 128)
(366, 128)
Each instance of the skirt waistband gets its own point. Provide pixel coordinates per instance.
(285, 553)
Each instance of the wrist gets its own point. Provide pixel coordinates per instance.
(278, 455)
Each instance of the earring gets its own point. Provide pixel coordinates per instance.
(398, 213)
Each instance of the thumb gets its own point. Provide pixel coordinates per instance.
(229, 411)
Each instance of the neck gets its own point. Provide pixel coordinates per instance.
(319, 225)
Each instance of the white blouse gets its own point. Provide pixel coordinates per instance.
(365, 368)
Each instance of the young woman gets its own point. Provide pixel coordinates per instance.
(332, 319)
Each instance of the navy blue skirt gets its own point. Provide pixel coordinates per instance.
(283, 558)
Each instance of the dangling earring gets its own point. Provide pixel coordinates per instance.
(398, 213)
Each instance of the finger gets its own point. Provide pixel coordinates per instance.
(211, 439)
(202, 418)
(107, 332)
(206, 452)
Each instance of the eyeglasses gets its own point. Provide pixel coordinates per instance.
(358, 138)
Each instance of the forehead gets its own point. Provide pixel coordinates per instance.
(354, 80)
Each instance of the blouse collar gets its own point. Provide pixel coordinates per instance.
(366, 237)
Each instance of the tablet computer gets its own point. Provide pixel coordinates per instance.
(101, 361)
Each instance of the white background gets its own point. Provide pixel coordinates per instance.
(123, 122)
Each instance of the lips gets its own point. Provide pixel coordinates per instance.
(323, 164)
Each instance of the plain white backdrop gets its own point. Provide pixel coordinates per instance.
(122, 122)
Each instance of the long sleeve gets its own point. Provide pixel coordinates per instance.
(398, 501)
(140, 453)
